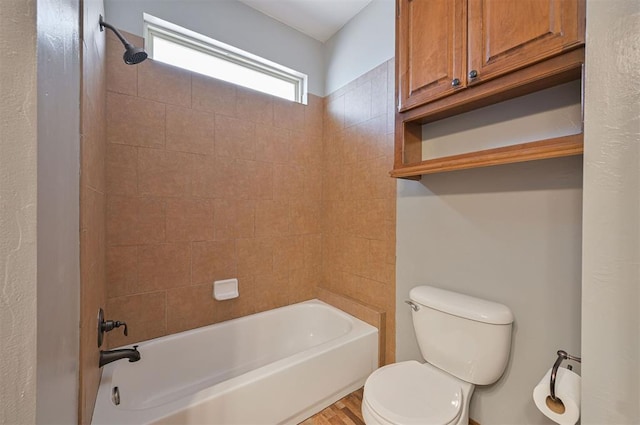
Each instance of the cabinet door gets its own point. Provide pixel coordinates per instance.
(431, 40)
(506, 35)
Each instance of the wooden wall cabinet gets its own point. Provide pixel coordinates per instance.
(431, 48)
(453, 56)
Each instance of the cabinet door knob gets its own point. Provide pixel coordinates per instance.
(455, 82)
(473, 73)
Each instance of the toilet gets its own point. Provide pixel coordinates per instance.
(465, 341)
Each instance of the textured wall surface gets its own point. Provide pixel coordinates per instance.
(359, 207)
(18, 162)
(206, 181)
(610, 289)
(92, 201)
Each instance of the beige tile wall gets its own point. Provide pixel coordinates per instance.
(367, 313)
(92, 204)
(359, 197)
(207, 181)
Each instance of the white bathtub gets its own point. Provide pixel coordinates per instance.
(276, 367)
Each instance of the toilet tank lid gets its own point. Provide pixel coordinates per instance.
(462, 305)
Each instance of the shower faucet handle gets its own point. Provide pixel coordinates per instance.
(110, 325)
(118, 324)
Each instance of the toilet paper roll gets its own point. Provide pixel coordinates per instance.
(567, 391)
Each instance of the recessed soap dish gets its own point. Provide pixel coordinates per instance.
(225, 289)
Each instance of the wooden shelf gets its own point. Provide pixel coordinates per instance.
(542, 149)
(409, 163)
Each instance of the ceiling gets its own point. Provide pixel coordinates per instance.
(319, 19)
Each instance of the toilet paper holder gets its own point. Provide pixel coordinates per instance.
(562, 355)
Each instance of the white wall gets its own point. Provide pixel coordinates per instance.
(58, 210)
(362, 44)
(18, 147)
(509, 234)
(231, 22)
(611, 282)
(554, 112)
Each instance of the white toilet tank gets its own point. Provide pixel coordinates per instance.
(468, 337)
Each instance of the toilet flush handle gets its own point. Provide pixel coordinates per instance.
(413, 305)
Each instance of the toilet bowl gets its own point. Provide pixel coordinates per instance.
(412, 393)
(465, 341)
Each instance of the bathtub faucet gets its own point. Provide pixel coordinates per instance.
(107, 357)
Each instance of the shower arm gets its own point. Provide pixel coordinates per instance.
(115, 31)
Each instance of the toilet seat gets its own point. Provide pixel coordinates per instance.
(411, 393)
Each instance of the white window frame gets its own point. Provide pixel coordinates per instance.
(156, 27)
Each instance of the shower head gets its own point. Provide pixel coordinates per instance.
(132, 55)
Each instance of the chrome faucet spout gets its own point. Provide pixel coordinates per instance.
(107, 357)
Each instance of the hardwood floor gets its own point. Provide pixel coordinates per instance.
(345, 411)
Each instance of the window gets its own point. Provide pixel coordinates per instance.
(172, 44)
